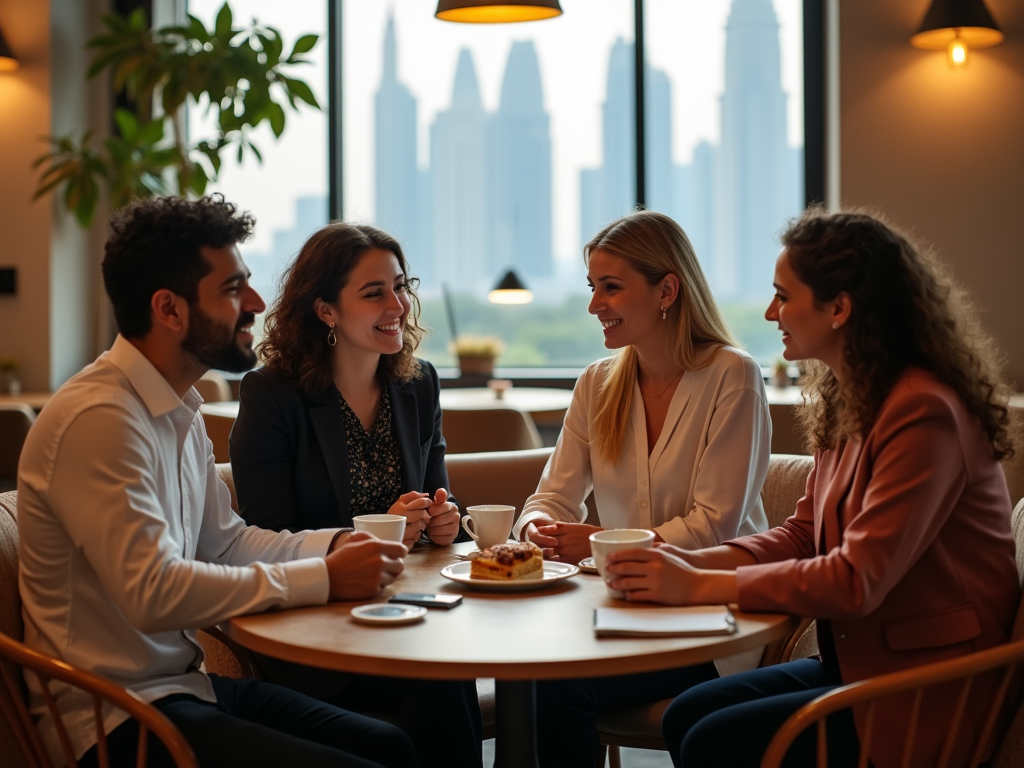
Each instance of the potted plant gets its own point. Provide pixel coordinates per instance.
(240, 75)
(477, 354)
(780, 373)
(9, 371)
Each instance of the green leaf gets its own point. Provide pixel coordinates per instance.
(276, 115)
(127, 124)
(303, 45)
(199, 179)
(300, 89)
(222, 26)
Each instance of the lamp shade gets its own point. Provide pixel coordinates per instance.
(510, 290)
(8, 62)
(496, 11)
(947, 20)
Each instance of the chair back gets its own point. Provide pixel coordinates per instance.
(1014, 465)
(20, 743)
(784, 485)
(213, 388)
(16, 420)
(490, 429)
(218, 429)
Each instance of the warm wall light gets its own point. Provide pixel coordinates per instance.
(8, 62)
(957, 26)
(497, 11)
(510, 290)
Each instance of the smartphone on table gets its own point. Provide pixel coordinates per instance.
(426, 599)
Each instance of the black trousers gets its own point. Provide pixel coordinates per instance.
(260, 724)
(566, 734)
(730, 721)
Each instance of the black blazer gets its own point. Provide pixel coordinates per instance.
(289, 454)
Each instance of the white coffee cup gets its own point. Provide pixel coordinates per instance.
(603, 543)
(489, 524)
(386, 527)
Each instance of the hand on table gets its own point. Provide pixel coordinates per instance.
(443, 525)
(561, 542)
(360, 567)
(413, 506)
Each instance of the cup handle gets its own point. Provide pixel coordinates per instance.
(465, 526)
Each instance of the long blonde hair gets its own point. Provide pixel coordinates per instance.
(655, 246)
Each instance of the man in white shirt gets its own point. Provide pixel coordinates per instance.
(127, 539)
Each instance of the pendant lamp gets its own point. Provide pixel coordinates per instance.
(510, 290)
(956, 26)
(496, 11)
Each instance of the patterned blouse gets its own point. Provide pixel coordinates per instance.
(374, 462)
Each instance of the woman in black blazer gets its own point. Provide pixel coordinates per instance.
(343, 420)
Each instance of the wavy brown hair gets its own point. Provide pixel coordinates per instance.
(906, 311)
(295, 339)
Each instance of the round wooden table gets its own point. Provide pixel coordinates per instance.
(546, 405)
(515, 637)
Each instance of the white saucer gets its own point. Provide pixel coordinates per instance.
(388, 613)
(552, 572)
(587, 565)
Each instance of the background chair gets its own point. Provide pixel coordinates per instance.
(214, 388)
(218, 429)
(20, 742)
(16, 420)
(1008, 742)
(491, 429)
(640, 727)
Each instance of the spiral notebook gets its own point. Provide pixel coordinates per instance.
(692, 621)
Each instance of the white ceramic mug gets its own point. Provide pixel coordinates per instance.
(386, 527)
(489, 524)
(603, 543)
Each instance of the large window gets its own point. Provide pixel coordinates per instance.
(485, 148)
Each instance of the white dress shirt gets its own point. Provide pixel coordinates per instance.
(128, 542)
(701, 483)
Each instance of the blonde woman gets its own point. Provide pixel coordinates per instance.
(672, 435)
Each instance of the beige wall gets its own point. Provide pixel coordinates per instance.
(25, 226)
(50, 326)
(941, 152)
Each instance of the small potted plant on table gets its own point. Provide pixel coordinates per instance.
(477, 354)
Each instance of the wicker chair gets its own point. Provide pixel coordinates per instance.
(20, 742)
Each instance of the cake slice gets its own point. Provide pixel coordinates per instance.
(507, 562)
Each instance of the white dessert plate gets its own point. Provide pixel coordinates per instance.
(388, 613)
(587, 565)
(459, 572)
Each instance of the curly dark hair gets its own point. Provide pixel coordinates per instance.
(295, 339)
(906, 311)
(156, 244)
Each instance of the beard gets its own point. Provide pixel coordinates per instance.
(215, 345)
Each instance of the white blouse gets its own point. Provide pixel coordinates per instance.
(700, 485)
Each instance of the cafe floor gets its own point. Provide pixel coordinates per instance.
(631, 758)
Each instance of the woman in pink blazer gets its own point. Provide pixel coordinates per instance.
(901, 547)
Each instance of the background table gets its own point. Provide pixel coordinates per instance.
(516, 637)
(546, 405)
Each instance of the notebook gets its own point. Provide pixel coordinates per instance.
(693, 621)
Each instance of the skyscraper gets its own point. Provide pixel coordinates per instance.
(754, 162)
(397, 198)
(458, 168)
(608, 192)
(519, 172)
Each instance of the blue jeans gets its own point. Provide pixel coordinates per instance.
(732, 720)
(566, 732)
(255, 723)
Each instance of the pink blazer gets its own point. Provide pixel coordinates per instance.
(923, 569)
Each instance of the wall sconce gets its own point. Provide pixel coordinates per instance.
(496, 11)
(957, 26)
(510, 290)
(8, 61)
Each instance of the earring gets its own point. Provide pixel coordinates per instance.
(664, 308)
(331, 338)
(835, 326)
